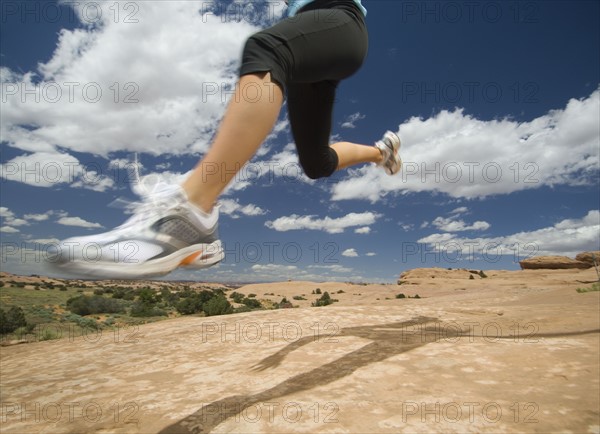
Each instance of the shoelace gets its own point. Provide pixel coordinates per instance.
(157, 198)
(156, 201)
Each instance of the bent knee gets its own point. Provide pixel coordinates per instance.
(322, 166)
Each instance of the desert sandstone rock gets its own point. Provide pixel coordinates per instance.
(589, 257)
(552, 263)
(516, 352)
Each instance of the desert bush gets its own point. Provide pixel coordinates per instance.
(242, 309)
(283, 304)
(252, 303)
(12, 319)
(147, 295)
(144, 309)
(86, 323)
(99, 291)
(482, 274)
(87, 305)
(325, 300)
(298, 297)
(217, 306)
(236, 297)
(188, 306)
(400, 296)
(595, 287)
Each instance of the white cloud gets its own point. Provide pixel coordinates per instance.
(42, 169)
(273, 268)
(38, 217)
(8, 230)
(45, 240)
(336, 268)
(350, 253)
(567, 237)
(10, 220)
(234, 209)
(135, 86)
(452, 225)
(363, 230)
(351, 120)
(371, 254)
(94, 181)
(327, 224)
(465, 157)
(77, 221)
(460, 210)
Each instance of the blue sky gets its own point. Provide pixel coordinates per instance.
(497, 105)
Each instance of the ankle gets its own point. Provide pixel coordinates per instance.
(197, 200)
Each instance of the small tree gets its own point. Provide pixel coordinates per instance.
(252, 303)
(217, 306)
(325, 300)
(12, 319)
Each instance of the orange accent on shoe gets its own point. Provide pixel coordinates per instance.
(190, 259)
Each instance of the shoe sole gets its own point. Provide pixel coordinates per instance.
(198, 256)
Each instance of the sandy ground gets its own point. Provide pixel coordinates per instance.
(515, 352)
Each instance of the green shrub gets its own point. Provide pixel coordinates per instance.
(283, 304)
(217, 306)
(12, 319)
(87, 305)
(147, 296)
(169, 297)
(98, 291)
(400, 296)
(189, 306)
(252, 303)
(298, 297)
(123, 293)
(144, 309)
(85, 323)
(595, 287)
(482, 274)
(318, 291)
(194, 302)
(325, 300)
(251, 295)
(237, 297)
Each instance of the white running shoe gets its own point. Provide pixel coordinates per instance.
(165, 232)
(389, 146)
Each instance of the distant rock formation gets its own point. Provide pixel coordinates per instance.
(416, 275)
(553, 263)
(589, 258)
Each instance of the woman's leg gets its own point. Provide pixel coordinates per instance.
(246, 124)
(350, 154)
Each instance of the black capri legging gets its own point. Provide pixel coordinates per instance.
(307, 55)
